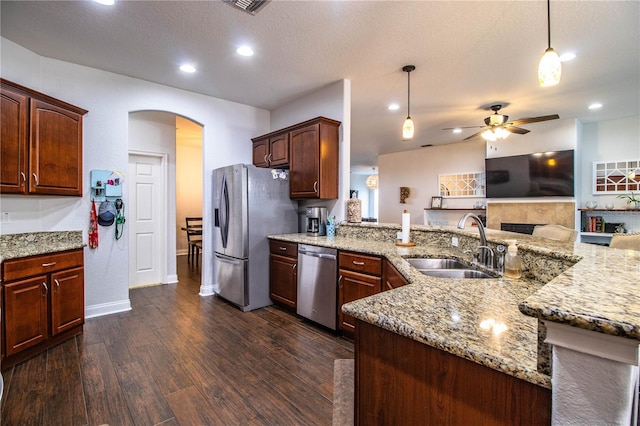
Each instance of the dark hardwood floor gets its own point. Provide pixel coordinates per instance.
(180, 359)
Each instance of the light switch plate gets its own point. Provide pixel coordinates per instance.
(454, 241)
(5, 217)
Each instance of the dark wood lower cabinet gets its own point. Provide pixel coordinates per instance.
(400, 381)
(283, 274)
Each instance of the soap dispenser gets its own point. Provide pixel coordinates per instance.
(512, 261)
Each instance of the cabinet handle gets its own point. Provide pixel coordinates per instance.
(340, 281)
(24, 178)
(265, 159)
(283, 248)
(358, 263)
(46, 289)
(35, 178)
(315, 186)
(46, 265)
(57, 285)
(295, 265)
(270, 157)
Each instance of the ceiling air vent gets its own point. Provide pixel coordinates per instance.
(250, 6)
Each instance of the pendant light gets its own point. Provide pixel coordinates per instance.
(407, 127)
(372, 181)
(550, 68)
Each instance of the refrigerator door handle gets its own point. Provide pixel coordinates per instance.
(226, 259)
(224, 213)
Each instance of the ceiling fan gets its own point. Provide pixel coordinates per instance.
(497, 125)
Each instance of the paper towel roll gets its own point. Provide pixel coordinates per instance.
(406, 221)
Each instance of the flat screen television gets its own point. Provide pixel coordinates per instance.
(541, 174)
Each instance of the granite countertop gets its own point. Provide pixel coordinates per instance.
(494, 322)
(13, 246)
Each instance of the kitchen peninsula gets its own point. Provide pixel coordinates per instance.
(494, 323)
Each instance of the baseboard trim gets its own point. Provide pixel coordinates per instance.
(206, 290)
(107, 308)
(172, 279)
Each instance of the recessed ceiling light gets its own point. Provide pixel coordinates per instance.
(244, 51)
(187, 68)
(393, 107)
(567, 57)
(106, 2)
(457, 130)
(595, 105)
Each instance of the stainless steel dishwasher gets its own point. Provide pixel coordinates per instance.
(317, 284)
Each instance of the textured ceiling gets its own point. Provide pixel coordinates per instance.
(468, 55)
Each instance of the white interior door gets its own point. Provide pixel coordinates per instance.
(145, 219)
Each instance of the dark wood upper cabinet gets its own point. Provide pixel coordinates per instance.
(41, 143)
(311, 152)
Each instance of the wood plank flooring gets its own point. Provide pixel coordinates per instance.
(180, 359)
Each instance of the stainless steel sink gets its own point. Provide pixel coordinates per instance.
(455, 273)
(446, 268)
(420, 263)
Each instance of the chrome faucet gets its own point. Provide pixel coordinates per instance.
(485, 254)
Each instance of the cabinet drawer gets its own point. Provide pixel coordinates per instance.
(26, 267)
(284, 249)
(360, 263)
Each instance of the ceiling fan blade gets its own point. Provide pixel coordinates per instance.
(475, 134)
(534, 119)
(464, 127)
(518, 130)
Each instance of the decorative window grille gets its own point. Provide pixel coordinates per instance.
(616, 177)
(471, 184)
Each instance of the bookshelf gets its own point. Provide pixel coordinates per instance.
(591, 232)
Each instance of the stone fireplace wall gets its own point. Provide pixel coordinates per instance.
(560, 213)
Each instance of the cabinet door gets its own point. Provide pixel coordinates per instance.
(260, 153)
(14, 109)
(353, 286)
(283, 280)
(67, 300)
(55, 150)
(304, 162)
(25, 313)
(279, 151)
(391, 278)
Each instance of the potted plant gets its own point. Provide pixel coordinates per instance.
(633, 203)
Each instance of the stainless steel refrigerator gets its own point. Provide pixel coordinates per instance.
(249, 204)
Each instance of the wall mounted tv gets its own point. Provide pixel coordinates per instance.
(542, 174)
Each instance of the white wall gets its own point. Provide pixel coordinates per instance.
(607, 141)
(228, 128)
(419, 169)
(332, 101)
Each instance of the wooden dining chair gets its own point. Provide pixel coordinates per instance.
(194, 238)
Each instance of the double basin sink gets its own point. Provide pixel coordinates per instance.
(446, 268)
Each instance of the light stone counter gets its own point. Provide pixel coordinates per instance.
(13, 246)
(494, 322)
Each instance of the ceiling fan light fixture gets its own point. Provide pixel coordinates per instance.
(550, 66)
(408, 127)
(495, 133)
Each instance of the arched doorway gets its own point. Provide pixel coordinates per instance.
(153, 194)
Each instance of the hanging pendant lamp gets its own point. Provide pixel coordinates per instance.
(407, 127)
(550, 68)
